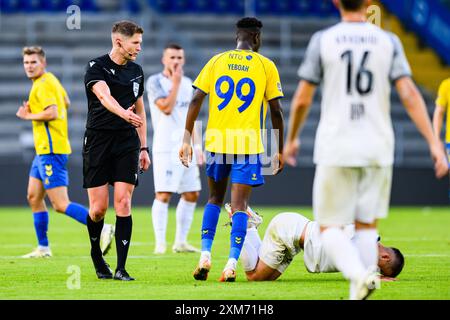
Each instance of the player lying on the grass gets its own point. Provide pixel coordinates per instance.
(289, 233)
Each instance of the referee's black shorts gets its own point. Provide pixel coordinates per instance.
(110, 156)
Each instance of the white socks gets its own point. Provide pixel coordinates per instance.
(250, 250)
(185, 215)
(231, 264)
(159, 217)
(343, 253)
(365, 241)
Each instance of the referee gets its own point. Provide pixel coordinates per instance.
(115, 142)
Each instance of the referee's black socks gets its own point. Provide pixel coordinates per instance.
(124, 226)
(95, 230)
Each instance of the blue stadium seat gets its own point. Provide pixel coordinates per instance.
(238, 6)
(264, 6)
(203, 5)
(181, 6)
(324, 8)
(86, 5)
(160, 5)
(131, 6)
(281, 7)
(301, 7)
(221, 6)
(56, 5)
(10, 6)
(32, 5)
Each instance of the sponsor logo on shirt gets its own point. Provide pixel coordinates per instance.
(135, 89)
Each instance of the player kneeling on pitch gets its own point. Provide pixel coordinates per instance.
(289, 233)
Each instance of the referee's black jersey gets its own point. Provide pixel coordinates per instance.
(126, 83)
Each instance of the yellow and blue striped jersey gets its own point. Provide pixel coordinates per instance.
(443, 100)
(239, 84)
(49, 136)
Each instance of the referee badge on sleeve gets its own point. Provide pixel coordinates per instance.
(135, 89)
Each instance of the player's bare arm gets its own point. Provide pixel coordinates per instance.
(167, 104)
(197, 143)
(185, 153)
(300, 106)
(144, 159)
(276, 115)
(415, 106)
(438, 119)
(50, 113)
(101, 90)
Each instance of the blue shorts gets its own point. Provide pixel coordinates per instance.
(51, 170)
(244, 169)
(448, 153)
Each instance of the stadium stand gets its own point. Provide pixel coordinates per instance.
(202, 34)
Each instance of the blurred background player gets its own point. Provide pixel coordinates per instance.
(169, 94)
(442, 103)
(354, 146)
(286, 235)
(240, 83)
(115, 142)
(47, 109)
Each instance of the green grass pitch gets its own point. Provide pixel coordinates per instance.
(421, 233)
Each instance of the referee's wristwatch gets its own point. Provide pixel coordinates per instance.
(145, 149)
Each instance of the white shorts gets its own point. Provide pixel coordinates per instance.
(170, 175)
(281, 241)
(343, 195)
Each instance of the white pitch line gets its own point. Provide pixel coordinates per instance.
(150, 257)
(136, 244)
(409, 239)
(428, 255)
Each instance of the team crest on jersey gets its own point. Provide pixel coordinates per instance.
(135, 89)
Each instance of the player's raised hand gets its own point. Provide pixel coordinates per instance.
(177, 73)
(277, 163)
(440, 160)
(131, 117)
(290, 152)
(185, 154)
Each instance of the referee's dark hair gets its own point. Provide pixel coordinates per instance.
(126, 28)
(352, 5)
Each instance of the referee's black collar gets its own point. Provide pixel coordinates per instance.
(115, 64)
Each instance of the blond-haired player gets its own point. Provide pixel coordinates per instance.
(47, 108)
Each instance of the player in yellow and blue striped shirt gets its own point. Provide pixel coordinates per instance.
(442, 108)
(241, 84)
(47, 109)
